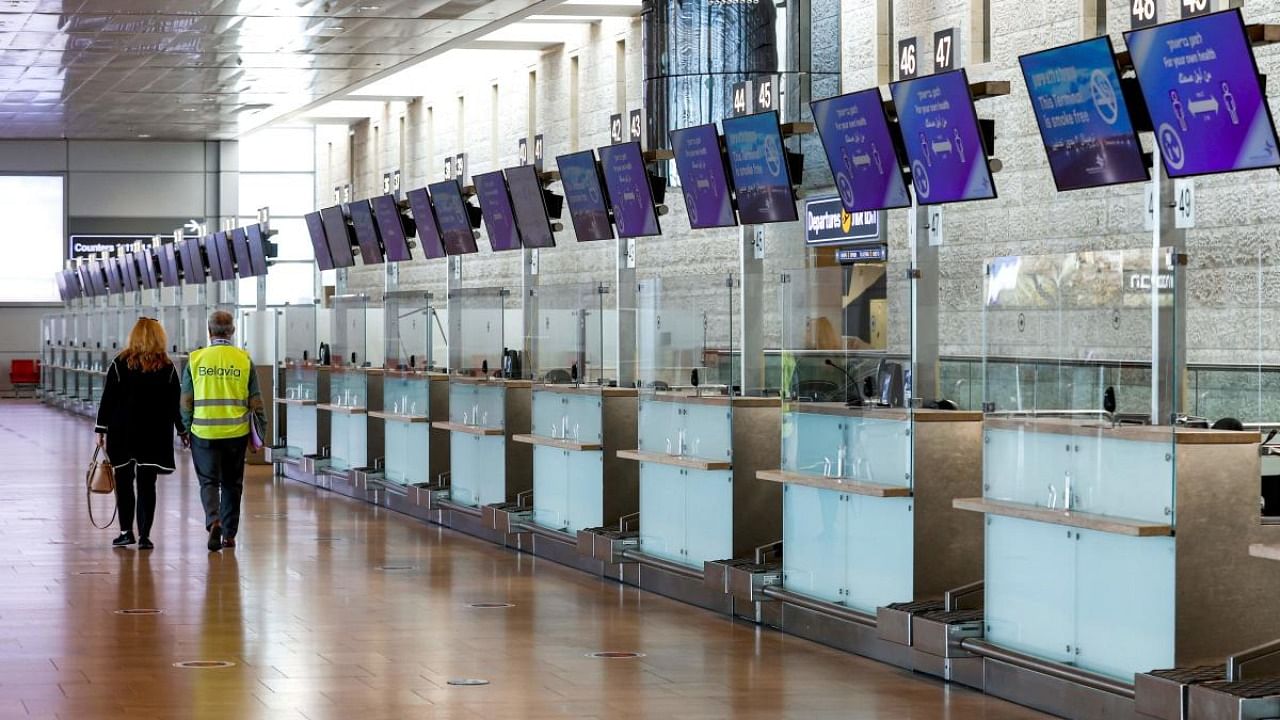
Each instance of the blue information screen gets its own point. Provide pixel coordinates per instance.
(453, 218)
(855, 134)
(1201, 84)
(1083, 118)
(424, 220)
(947, 156)
(759, 166)
(582, 191)
(629, 190)
(499, 217)
(702, 177)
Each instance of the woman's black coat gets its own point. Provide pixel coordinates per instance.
(139, 414)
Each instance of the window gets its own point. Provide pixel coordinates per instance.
(573, 103)
(886, 46)
(494, 122)
(532, 128)
(32, 244)
(980, 31)
(620, 77)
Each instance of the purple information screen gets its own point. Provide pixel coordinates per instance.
(1083, 117)
(114, 282)
(453, 218)
(495, 206)
(240, 248)
(424, 218)
(944, 146)
(147, 266)
(580, 177)
(759, 166)
(257, 250)
(860, 150)
(391, 224)
(193, 271)
(319, 243)
(169, 276)
(1201, 84)
(338, 234)
(629, 190)
(128, 272)
(366, 230)
(703, 177)
(530, 206)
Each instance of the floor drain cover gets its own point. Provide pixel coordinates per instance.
(468, 682)
(139, 611)
(489, 605)
(396, 568)
(609, 655)
(94, 572)
(203, 664)
(271, 516)
(328, 539)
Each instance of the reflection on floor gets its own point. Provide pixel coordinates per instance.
(334, 609)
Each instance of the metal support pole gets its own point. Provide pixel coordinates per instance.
(751, 310)
(626, 284)
(455, 313)
(924, 308)
(529, 308)
(1168, 319)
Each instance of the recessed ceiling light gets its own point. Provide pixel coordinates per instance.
(188, 109)
(143, 136)
(370, 8)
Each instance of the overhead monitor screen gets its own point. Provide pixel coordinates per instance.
(339, 235)
(147, 268)
(393, 227)
(218, 251)
(530, 204)
(629, 190)
(367, 236)
(703, 178)
(1201, 84)
(129, 272)
(758, 162)
(1083, 118)
(861, 152)
(453, 218)
(257, 250)
(169, 275)
(240, 249)
(115, 283)
(319, 243)
(82, 272)
(97, 277)
(424, 220)
(193, 271)
(947, 155)
(495, 205)
(588, 208)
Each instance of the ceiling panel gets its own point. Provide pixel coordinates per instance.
(210, 69)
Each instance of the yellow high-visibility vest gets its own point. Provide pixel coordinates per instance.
(220, 378)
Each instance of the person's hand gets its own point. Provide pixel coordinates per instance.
(102, 439)
(186, 440)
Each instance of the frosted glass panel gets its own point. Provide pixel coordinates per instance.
(708, 431)
(1124, 478)
(1125, 592)
(349, 441)
(709, 516)
(881, 551)
(662, 511)
(586, 491)
(1030, 587)
(407, 452)
(300, 430)
(815, 535)
(659, 426)
(550, 486)
(811, 443)
(479, 469)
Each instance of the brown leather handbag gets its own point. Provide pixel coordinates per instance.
(99, 480)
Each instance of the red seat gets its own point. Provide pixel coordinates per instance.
(24, 373)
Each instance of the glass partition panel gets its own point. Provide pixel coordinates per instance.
(171, 319)
(1078, 308)
(408, 320)
(195, 324)
(568, 333)
(476, 331)
(350, 325)
(300, 348)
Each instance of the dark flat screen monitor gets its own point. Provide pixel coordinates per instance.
(97, 276)
(945, 147)
(530, 204)
(129, 272)
(240, 249)
(453, 218)
(192, 261)
(169, 274)
(319, 243)
(761, 174)
(1200, 80)
(339, 235)
(629, 190)
(704, 179)
(394, 228)
(147, 274)
(366, 230)
(218, 251)
(115, 280)
(71, 280)
(82, 272)
(64, 285)
(1083, 117)
(257, 249)
(495, 206)
(584, 192)
(860, 151)
(424, 220)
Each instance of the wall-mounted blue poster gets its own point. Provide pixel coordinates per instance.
(944, 146)
(1083, 118)
(855, 133)
(1200, 80)
(758, 163)
(703, 177)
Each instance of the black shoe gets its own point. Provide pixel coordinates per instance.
(146, 544)
(215, 538)
(228, 542)
(126, 538)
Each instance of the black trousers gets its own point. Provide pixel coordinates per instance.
(220, 467)
(143, 503)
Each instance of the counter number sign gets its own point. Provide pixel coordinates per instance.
(635, 124)
(615, 128)
(1192, 8)
(538, 154)
(523, 150)
(766, 93)
(908, 58)
(742, 98)
(448, 167)
(944, 50)
(1143, 13)
(1184, 214)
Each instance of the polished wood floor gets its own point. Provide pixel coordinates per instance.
(318, 631)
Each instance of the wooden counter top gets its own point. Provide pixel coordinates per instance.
(721, 400)
(343, 409)
(468, 429)
(682, 461)
(398, 417)
(296, 401)
(495, 382)
(1084, 521)
(586, 389)
(418, 374)
(545, 441)
(883, 413)
(1265, 551)
(845, 485)
(1142, 433)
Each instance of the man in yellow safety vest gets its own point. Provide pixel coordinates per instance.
(219, 395)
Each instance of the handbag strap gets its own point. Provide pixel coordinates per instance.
(88, 493)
